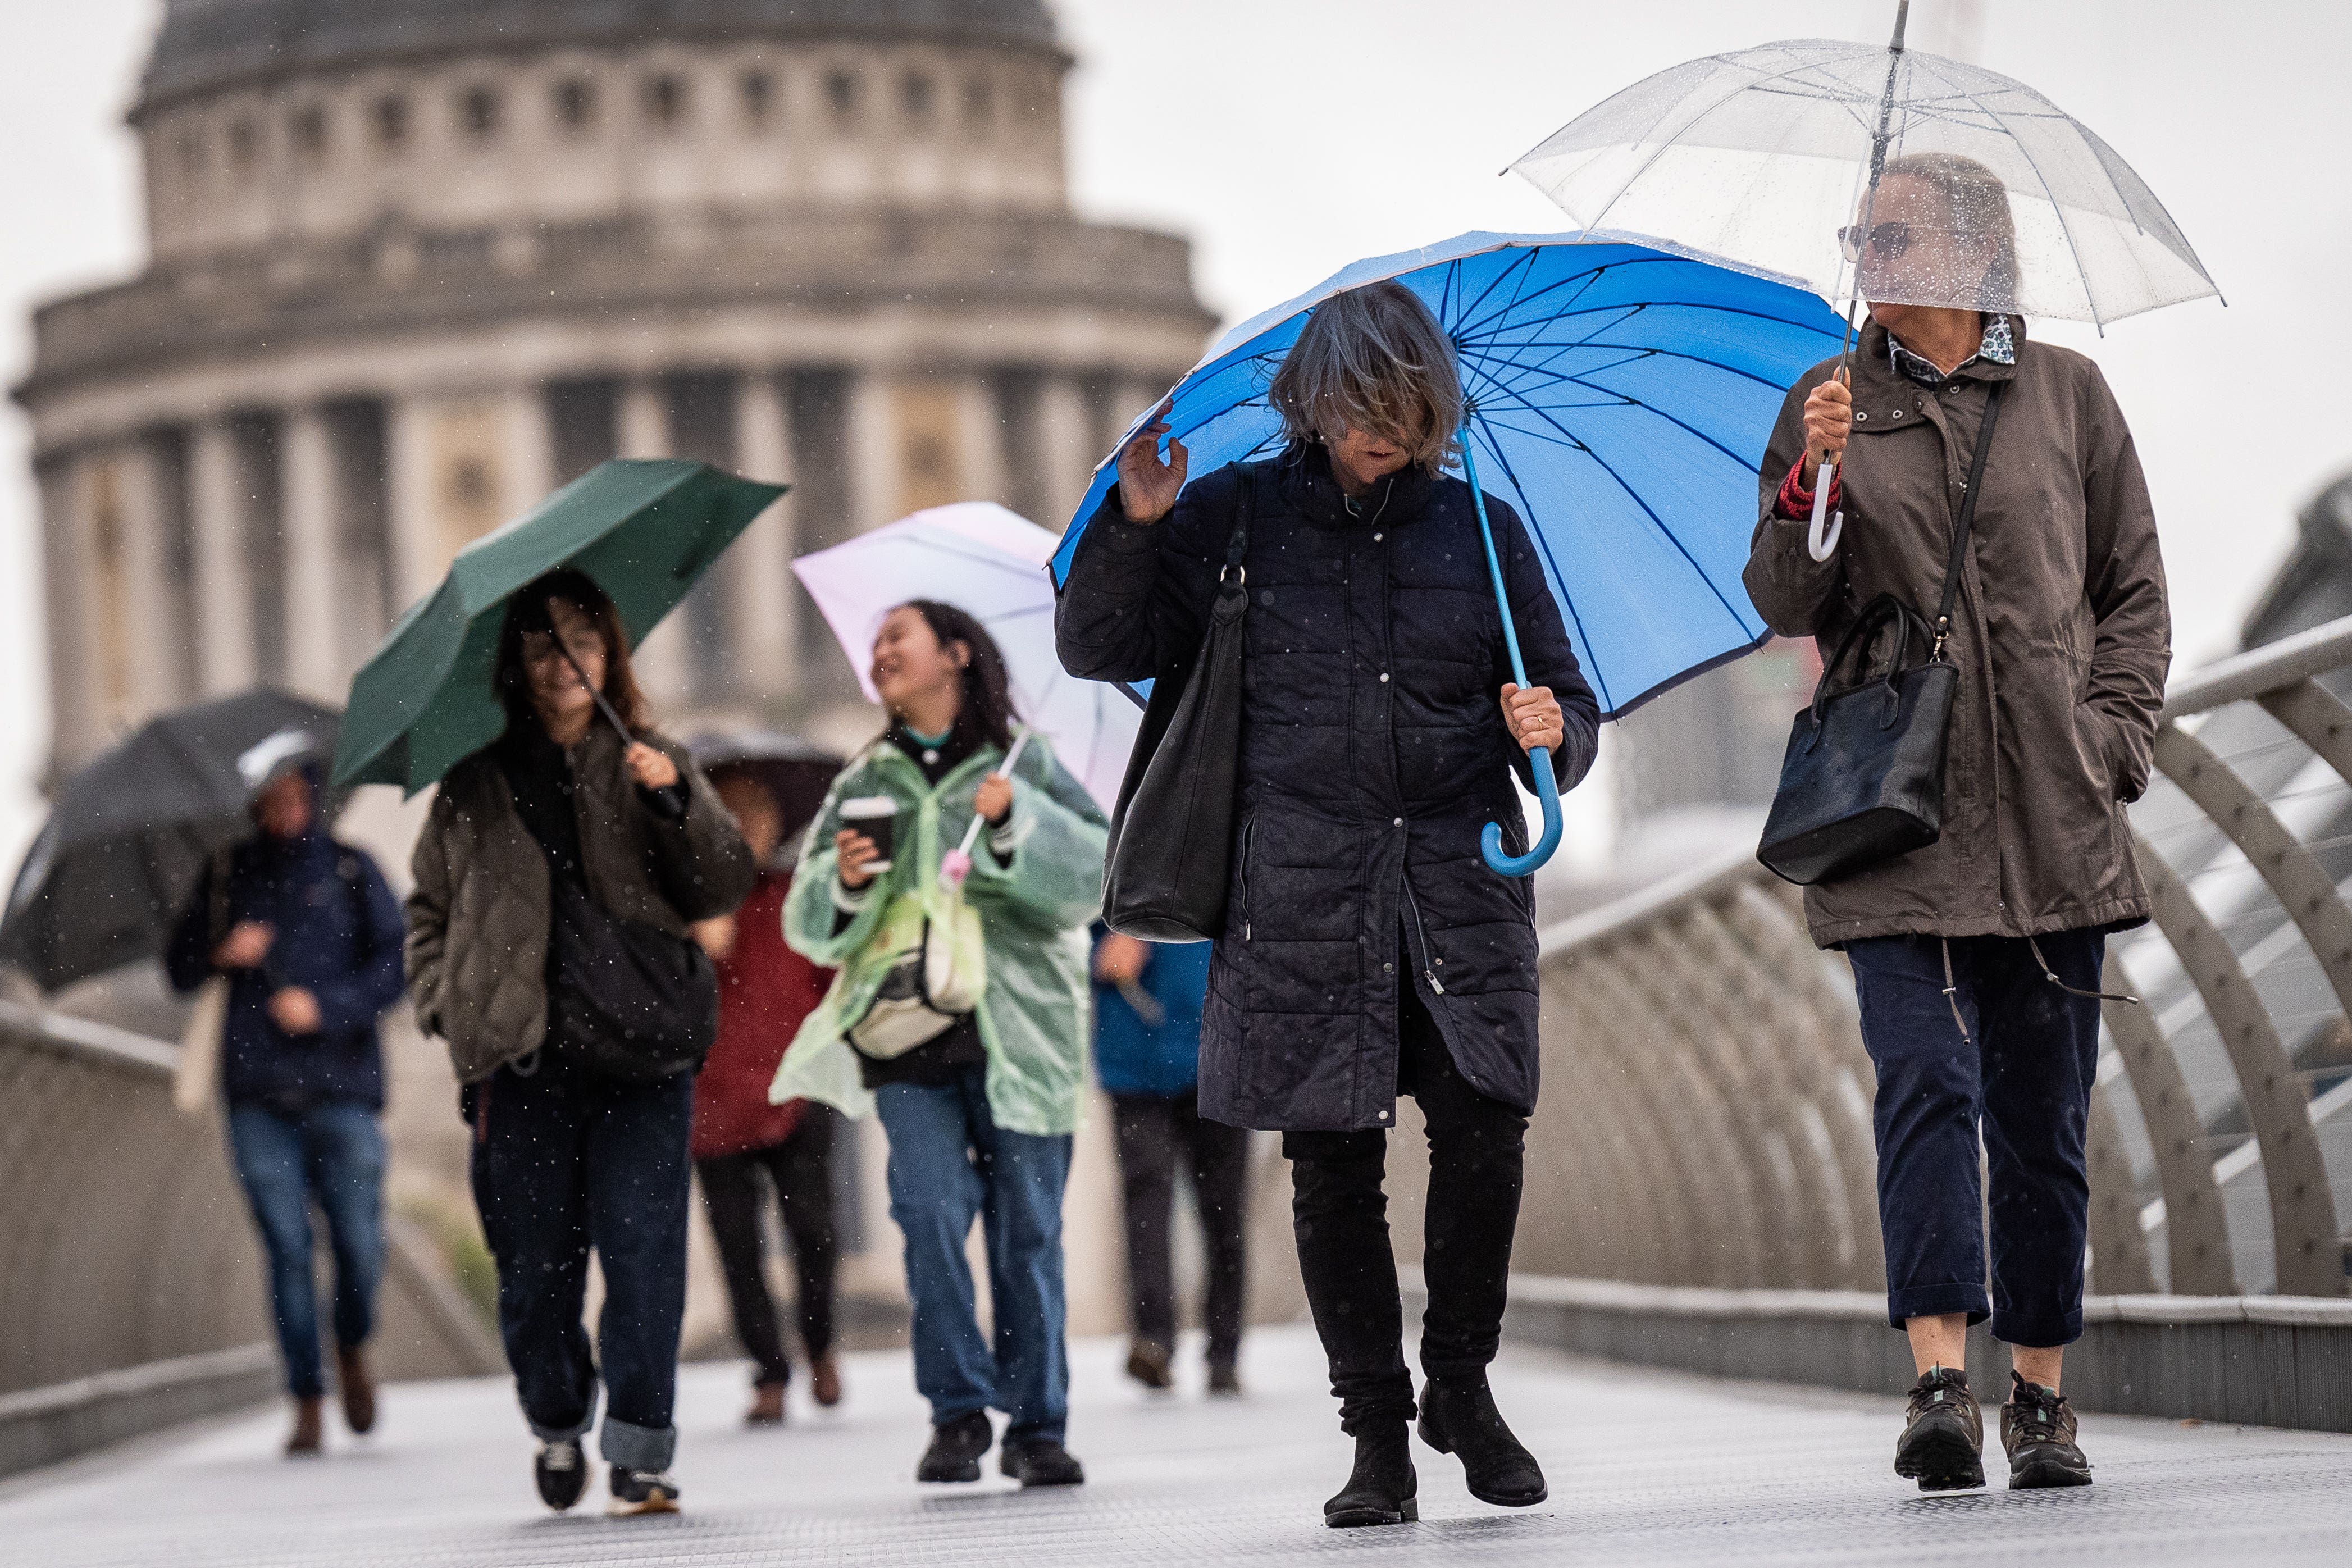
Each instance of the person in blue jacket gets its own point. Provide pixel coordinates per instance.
(1147, 1000)
(310, 937)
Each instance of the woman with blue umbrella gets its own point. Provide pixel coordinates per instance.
(1369, 950)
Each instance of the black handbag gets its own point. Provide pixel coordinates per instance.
(1171, 833)
(1863, 779)
(629, 1001)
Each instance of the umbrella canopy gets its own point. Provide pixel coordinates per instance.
(1759, 158)
(1619, 399)
(129, 832)
(643, 530)
(795, 771)
(991, 564)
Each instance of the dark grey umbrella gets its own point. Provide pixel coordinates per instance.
(129, 834)
(795, 772)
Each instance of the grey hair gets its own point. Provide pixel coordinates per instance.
(1372, 359)
(1978, 205)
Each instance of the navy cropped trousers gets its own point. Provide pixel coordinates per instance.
(2023, 1072)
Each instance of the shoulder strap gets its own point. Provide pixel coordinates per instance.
(1968, 516)
(1237, 542)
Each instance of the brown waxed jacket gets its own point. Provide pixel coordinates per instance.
(478, 917)
(2060, 634)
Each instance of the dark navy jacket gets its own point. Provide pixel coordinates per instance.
(339, 934)
(1372, 752)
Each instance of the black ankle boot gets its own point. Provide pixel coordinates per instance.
(1458, 1416)
(1380, 1490)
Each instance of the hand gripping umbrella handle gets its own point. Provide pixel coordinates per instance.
(1490, 842)
(1818, 544)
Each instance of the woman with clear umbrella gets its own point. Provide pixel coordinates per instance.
(1977, 959)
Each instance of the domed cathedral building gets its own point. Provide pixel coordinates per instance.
(414, 263)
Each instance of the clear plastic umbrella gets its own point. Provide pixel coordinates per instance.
(1865, 173)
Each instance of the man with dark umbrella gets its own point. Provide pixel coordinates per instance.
(309, 937)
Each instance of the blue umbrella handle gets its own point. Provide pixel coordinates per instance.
(1490, 843)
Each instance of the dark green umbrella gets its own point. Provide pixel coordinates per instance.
(643, 530)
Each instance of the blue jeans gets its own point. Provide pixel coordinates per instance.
(564, 1161)
(951, 1164)
(333, 1153)
(2024, 1072)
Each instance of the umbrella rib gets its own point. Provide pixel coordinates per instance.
(1545, 414)
(1647, 511)
(2065, 227)
(1567, 599)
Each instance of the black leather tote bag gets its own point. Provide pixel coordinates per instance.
(1171, 833)
(1863, 779)
(629, 1001)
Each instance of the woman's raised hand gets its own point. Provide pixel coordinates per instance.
(993, 799)
(649, 767)
(1534, 717)
(1828, 421)
(1147, 486)
(857, 854)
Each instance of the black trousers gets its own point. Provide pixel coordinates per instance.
(1477, 1146)
(1156, 1133)
(800, 1170)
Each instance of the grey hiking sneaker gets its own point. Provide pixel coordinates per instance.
(1942, 1445)
(2037, 1428)
(642, 1491)
(560, 1472)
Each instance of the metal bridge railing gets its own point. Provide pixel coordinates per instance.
(1707, 1119)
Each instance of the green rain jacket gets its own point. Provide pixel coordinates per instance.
(1035, 1011)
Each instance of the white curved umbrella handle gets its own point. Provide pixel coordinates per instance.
(1821, 544)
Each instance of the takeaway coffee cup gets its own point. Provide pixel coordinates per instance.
(875, 815)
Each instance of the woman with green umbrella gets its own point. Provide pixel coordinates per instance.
(548, 945)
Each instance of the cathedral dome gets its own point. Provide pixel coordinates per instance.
(206, 45)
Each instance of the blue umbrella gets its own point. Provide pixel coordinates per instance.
(1620, 397)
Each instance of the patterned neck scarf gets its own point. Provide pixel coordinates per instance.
(1999, 347)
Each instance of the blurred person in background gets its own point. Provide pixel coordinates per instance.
(743, 1146)
(979, 1098)
(1148, 1000)
(309, 936)
(563, 816)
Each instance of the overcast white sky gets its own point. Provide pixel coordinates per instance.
(1288, 137)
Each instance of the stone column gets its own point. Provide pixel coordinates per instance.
(641, 429)
(76, 703)
(158, 668)
(411, 541)
(979, 441)
(762, 608)
(527, 458)
(872, 418)
(1064, 432)
(224, 603)
(313, 523)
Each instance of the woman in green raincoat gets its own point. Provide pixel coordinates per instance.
(960, 1016)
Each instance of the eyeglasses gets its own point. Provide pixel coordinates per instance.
(1889, 239)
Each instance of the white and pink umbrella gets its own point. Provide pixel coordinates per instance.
(991, 564)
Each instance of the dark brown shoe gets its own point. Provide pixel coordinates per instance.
(309, 1438)
(357, 1386)
(1942, 1445)
(2037, 1429)
(825, 1381)
(767, 1405)
(1148, 1362)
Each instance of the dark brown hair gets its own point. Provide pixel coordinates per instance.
(986, 712)
(528, 612)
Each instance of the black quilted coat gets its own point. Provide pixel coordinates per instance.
(1373, 752)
